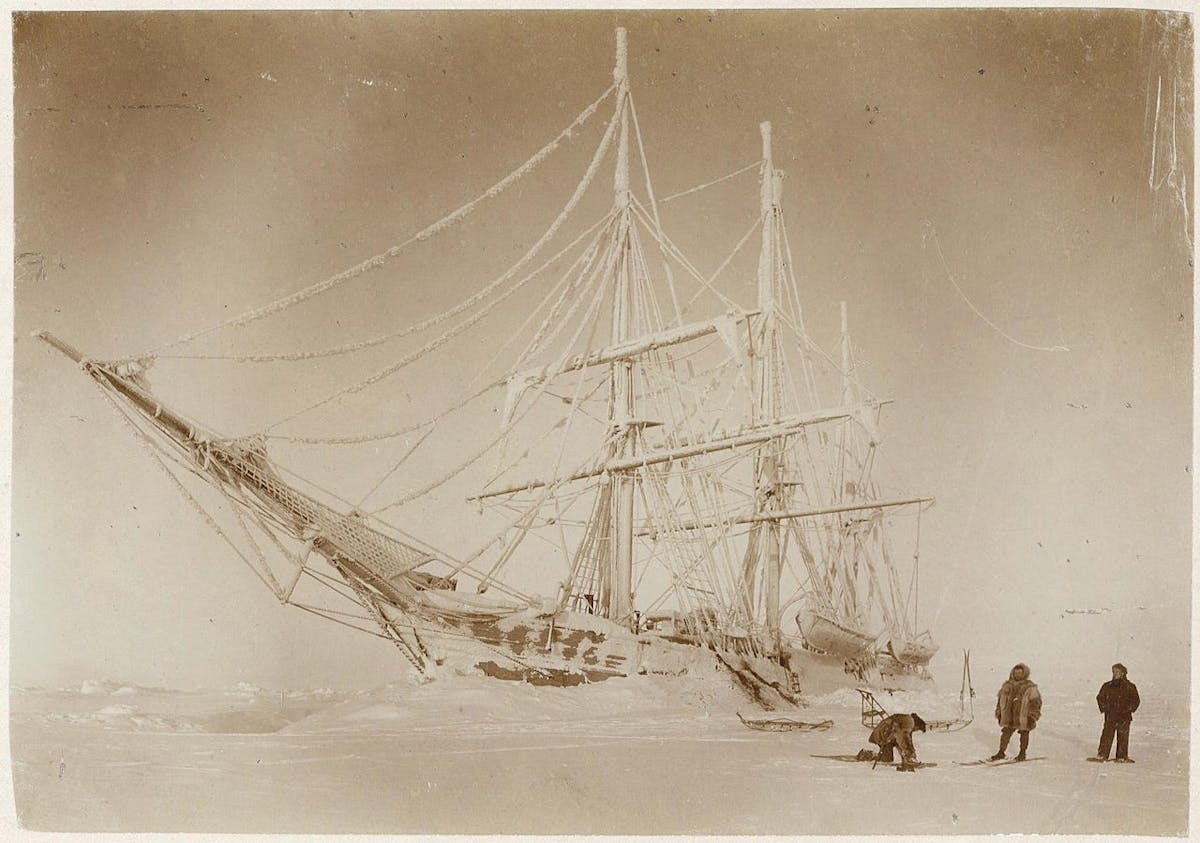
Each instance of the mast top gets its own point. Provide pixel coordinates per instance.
(773, 179)
(620, 70)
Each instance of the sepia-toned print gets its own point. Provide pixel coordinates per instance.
(602, 422)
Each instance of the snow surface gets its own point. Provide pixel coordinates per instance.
(629, 756)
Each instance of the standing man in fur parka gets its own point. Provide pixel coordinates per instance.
(1018, 707)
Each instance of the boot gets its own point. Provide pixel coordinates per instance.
(1024, 746)
(1004, 738)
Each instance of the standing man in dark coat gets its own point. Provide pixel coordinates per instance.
(1118, 700)
(1018, 708)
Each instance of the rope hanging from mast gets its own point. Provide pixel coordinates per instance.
(417, 327)
(580, 189)
(751, 166)
(380, 259)
(504, 431)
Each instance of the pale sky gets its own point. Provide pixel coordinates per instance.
(985, 188)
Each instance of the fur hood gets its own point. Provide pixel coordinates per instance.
(1019, 703)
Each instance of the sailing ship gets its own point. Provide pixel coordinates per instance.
(665, 496)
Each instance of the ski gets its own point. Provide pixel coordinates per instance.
(855, 759)
(987, 762)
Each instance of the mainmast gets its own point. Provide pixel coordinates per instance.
(764, 548)
(621, 403)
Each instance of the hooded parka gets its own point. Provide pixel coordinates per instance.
(1019, 703)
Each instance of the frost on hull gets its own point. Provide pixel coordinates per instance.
(569, 648)
(659, 496)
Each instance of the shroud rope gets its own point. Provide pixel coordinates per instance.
(379, 260)
(580, 189)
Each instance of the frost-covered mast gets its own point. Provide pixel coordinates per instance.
(623, 431)
(764, 551)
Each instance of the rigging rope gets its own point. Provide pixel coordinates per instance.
(415, 328)
(580, 189)
(504, 431)
(752, 165)
(928, 231)
(637, 129)
(148, 445)
(706, 284)
(393, 434)
(378, 260)
(403, 458)
(585, 264)
(550, 488)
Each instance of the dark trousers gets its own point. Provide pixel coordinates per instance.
(1006, 734)
(903, 742)
(1120, 728)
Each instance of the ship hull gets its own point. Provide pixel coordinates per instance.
(571, 648)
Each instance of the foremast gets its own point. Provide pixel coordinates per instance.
(623, 431)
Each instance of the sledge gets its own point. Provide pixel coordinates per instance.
(784, 724)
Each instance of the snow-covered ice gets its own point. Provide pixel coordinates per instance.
(635, 756)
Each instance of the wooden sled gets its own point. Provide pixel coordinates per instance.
(784, 724)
